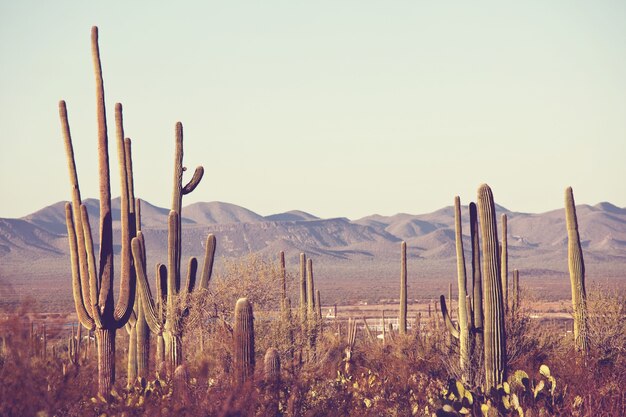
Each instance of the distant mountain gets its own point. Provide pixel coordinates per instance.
(35, 247)
(291, 216)
(220, 213)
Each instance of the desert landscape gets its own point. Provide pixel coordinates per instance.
(115, 303)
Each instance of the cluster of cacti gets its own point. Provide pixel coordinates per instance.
(471, 312)
(165, 314)
(310, 307)
(73, 345)
(93, 283)
(576, 273)
(243, 334)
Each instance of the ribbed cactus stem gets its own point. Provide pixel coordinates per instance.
(271, 363)
(494, 330)
(464, 344)
(283, 275)
(477, 286)
(402, 325)
(576, 274)
(318, 307)
(207, 265)
(143, 342)
(303, 292)
(243, 333)
(310, 291)
(516, 292)
(132, 357)
(504, 274)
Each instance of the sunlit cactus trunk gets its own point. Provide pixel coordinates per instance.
(494, 330)
(515, 305)
(143, 342)
(402, 325)
(105, 342)
(576, 274)
(243, 334)
(504, 264)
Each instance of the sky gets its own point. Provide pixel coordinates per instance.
(337, 108)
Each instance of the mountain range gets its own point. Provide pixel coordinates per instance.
(35, 246)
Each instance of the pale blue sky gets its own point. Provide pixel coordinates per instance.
(338, 108)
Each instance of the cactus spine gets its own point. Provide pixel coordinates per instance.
(576, 274)
(403, 290)
(243, 333)
(93, 284)
(494, 331)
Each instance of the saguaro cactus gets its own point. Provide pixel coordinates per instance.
(165, 316)
(271, 363)
(494, 330)
(243, 333)
(93, 284)
(504, 274)
(403, 290)
(516, 292)
(576, 273)
(303, 293)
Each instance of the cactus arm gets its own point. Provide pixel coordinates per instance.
(283, 274)
(76, 202)
(207, 265)
(81, 311)
(147, 302)
(125, 302)
(454, 331)
(462, 279)
(161, 289)
(194, 181)
(477, 285)
(94, 287)
(105, 272)
(192, 269)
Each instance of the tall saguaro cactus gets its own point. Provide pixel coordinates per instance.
(92, 283)
(494, 330)
(243, 333)
(576, 273)
(403, 289)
